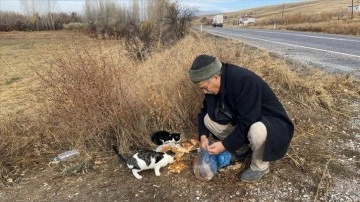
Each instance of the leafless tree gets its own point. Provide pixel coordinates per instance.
(136, 10)
(49, 9)
(41, 12)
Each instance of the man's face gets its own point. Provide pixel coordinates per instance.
(210, 86)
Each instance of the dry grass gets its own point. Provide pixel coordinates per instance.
(89, 94)
(333, 27)
(311, 7)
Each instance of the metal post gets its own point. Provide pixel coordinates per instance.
(352, 9)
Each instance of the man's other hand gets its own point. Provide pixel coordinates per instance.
(216, 148)
(204, 142)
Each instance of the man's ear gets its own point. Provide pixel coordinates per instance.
(216, 77)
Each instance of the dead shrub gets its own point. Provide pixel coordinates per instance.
(165, 23)
(76, 26)
(137, 48)
(99, 96)
(21, 147)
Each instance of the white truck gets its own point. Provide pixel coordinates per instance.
(218, 21)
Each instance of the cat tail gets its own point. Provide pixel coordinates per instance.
(121, 157)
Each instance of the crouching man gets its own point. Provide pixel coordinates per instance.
(242, 112)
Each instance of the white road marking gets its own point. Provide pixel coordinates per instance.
(288, 44)
(293, 34)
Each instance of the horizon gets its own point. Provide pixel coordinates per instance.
(204, 7)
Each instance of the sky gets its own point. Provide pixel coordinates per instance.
(204, 6)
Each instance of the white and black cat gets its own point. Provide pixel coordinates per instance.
(164, 137)
(146, 159)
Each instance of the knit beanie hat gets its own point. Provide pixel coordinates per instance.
(204, 67)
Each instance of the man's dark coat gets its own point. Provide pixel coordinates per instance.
(244, 99)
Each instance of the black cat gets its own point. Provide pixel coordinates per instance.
(164, 137)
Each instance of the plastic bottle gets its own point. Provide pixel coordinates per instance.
(66, 155)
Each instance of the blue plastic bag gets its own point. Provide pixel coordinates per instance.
(223, 159)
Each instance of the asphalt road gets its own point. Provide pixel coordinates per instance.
(330, 52)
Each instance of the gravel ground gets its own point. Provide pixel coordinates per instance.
(345, 189)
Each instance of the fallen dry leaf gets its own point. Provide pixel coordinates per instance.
(195, 142)
(182, 150)
(177, 167)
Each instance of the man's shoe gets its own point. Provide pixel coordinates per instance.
(250, 175)
(242, 157)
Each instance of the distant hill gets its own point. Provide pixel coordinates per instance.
(208, 12)
(332, 7)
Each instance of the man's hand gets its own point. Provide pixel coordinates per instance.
(216, 148)
(204, 142)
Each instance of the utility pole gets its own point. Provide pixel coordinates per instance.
(352, 9)
(282, 13)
